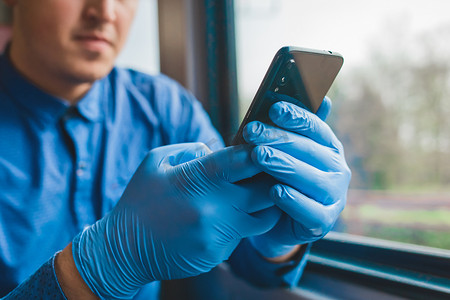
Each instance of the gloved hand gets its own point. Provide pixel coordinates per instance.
(307, 160)
(180, 215)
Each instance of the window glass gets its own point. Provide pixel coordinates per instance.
(391, 102)
(141, 52)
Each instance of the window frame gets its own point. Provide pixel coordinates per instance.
(197, 48)
(371, 266)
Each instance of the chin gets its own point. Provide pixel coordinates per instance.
(91, 72)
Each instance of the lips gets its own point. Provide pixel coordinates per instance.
(93, 37)
(95, 42)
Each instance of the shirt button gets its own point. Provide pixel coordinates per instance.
(82, 165)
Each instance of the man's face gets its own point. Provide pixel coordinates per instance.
(77, 39)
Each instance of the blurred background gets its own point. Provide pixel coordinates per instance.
(391, 102)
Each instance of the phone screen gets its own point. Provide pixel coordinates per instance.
(305, 75)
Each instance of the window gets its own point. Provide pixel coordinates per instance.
(141, 52)
(390, 102)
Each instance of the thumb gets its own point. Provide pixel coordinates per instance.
(172, 155)
(231, 164)
(324, 109)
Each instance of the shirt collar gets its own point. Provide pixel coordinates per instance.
(45, 106)
(92, 104)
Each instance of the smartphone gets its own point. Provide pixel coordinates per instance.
(304, 74)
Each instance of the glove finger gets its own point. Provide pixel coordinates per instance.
(253, 194)
(195, 150)
(230, 164)
(324, 109)
(217, 173)
(296, 173)
(293, 118)
(315, 219)
(172, 155)
(296, 145)
(256, 223)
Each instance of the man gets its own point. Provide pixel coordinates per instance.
(74, 138)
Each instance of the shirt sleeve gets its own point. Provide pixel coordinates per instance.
(41, 285)
(247, 263)
(182, 116)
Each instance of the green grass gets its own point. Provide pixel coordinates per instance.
(435, 217)
(416, 226)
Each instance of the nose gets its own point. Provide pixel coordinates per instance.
(101, 10)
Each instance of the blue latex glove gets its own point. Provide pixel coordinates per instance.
(180, 215)
(307, 160)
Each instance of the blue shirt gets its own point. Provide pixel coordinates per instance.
(63, 167)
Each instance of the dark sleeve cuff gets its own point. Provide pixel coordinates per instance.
(247, 263)
(41, 285)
